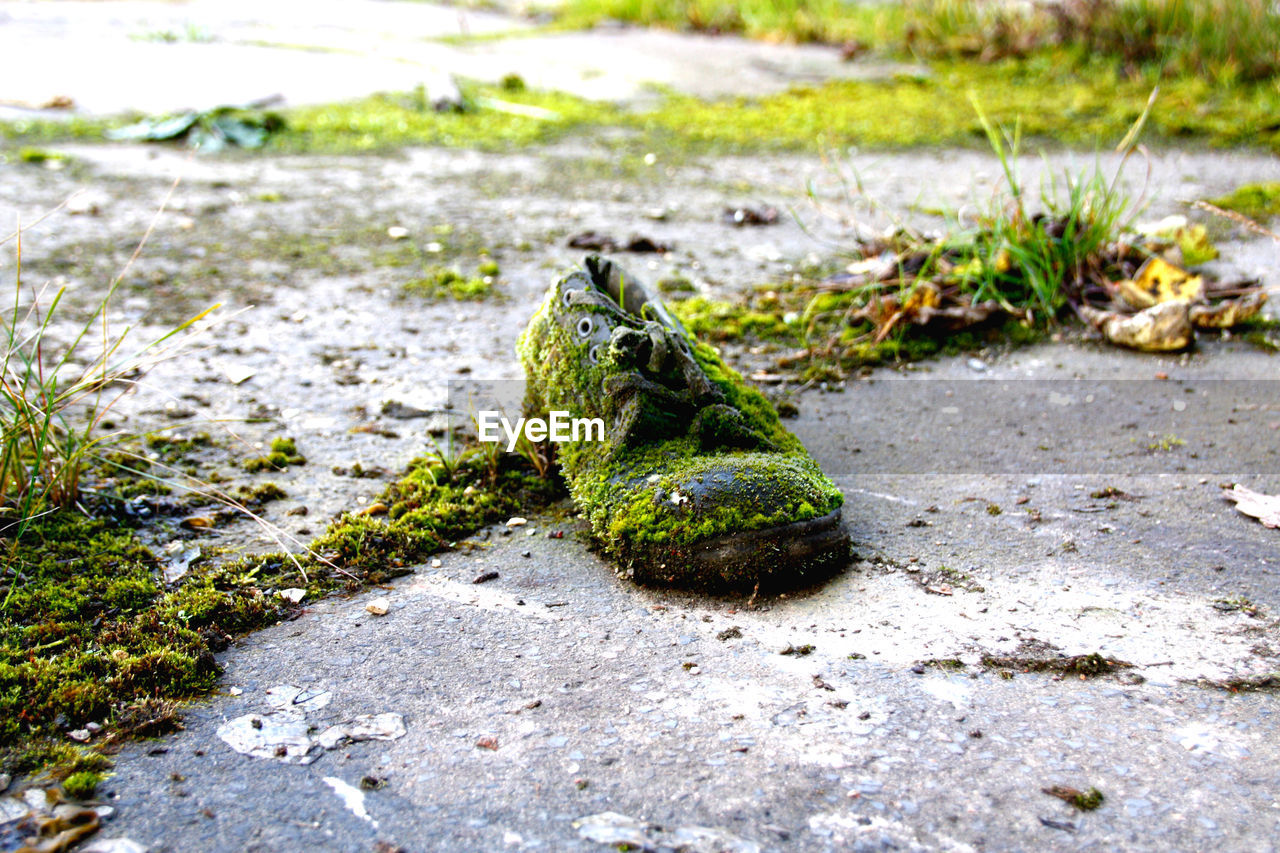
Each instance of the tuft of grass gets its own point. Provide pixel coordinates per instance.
(1030, 259)
(830, 21)
(58, 382)
(1224, 40)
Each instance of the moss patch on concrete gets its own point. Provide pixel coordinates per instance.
(91, 636)
(1259, 202)
(450, 283)
(777, 20)
(1052, 95)
(283, 453)
(1055, 94)
(721, 320)
(387, 122)
(811, 332)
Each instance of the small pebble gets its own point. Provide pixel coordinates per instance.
(378, 607)
(517, 521)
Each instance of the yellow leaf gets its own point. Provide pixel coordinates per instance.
(1228, 312)
(1164, 327)
(1160, 281)
(923, 295)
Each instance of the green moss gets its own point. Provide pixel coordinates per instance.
(1263, 333)
(173, 448)
(949, 664)
(82, 785)
(36, 131)
(88, 634)
(384, 122)
(1088, 800)
(791, 20)
(1084, 666)
(76, 643)
(1056, 95)
(260, 495)
(1051, 95)
(818, 321)
(719, 320)
(1259, 202)
(450, 283)
(39, 156)
(283, 453)
(675, 284)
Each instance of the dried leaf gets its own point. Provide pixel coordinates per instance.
(1228, 312)
(1158, 281)
(956, 317)
(1265, 508)
(1161, 328)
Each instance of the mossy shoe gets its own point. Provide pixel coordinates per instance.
(695, 483)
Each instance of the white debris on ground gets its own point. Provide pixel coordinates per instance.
(352, 797)
(285, 735)
(624, 832)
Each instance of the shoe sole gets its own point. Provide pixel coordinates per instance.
(796, 554)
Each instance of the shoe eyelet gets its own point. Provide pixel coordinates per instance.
(585, 327)
(593, 355)
(566, 296)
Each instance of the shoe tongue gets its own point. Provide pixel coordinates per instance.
(635, 299)
(631, 296)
